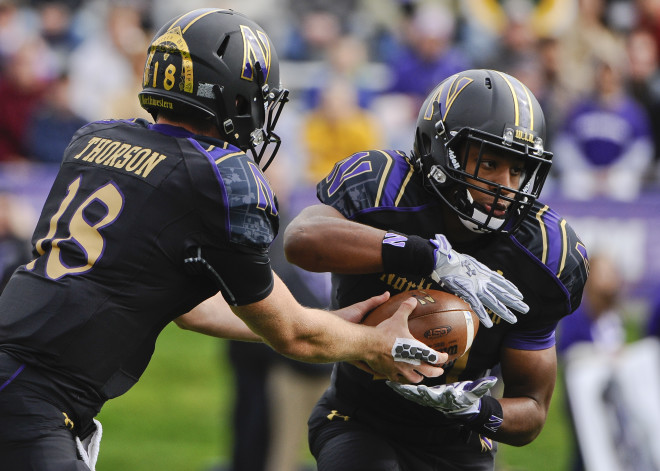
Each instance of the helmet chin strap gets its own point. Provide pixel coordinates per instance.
(481, 228)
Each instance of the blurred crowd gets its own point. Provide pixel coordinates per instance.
(358, 70)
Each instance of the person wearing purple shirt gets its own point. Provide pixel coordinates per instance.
(428, 54)
(605, 145)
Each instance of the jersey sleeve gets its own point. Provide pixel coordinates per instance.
(364, 181)
(563, 253)
(556, 248)
(246, 223)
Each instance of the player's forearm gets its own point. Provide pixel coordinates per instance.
(320, 241)
(310, 335)
(325, 338)
(215, 318)
(524, 419)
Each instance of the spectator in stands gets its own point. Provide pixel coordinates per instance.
(587, 39)
(337, 127)
(52, 125)
(598, 319)
(605, 145)
(644, 85)
(516, 42)
(347, 60)
(56, 18)
(14, 29)
(596, 327)
(316, 26)
(108, 49)
(428, 54)
(22, 88)
(14, 249)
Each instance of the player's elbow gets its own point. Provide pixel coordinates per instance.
(520, 440)
(523, 431)
(183, 323)
(299, 246)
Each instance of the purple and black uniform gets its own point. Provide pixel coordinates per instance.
(544, 259)
(143, 222)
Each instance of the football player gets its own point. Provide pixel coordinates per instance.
(144, 222)
(459, 213)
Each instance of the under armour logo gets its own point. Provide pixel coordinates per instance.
(494, 422)
(335, 414)
(469, 268)
(486, 443)
(68, 423)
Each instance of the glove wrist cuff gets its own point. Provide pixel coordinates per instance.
(412, 255)
(489, 418)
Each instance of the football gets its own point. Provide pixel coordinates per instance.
(441, 320)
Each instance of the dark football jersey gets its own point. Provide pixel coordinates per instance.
(544, 259)
(143, 222)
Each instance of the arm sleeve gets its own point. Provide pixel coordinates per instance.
(242, 275)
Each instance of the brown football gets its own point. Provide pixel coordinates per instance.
(441, 320)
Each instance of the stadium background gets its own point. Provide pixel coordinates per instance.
(72, 61)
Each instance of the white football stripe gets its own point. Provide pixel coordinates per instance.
(470, 330)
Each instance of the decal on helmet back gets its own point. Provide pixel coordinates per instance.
(170, 44)
(446, 95)
(256, 49)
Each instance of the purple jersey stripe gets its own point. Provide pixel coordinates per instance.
(531, 339)
(394, 181)
(216, 171)
(555, 241)
(12, 377)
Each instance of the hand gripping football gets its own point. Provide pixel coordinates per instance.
(441, 320)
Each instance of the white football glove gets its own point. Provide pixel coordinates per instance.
(475, 283)
(453, 399)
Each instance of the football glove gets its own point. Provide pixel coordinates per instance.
(475, 283)
(461, 399)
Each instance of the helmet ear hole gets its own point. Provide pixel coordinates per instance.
(242, 105)
(426, 145)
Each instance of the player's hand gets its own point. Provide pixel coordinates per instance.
(461, 399)
(475, 283)
(406, 360)
(356, 312)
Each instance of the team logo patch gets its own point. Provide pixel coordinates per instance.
(256, 49)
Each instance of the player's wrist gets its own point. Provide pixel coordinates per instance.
(488, 419)
(409, 254)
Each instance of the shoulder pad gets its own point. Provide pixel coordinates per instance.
(554, 243)
(252, 204)
(370, 179)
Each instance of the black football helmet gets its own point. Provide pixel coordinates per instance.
(498, 114)
(218, 64)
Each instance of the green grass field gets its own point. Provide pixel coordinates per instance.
(178, 417)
